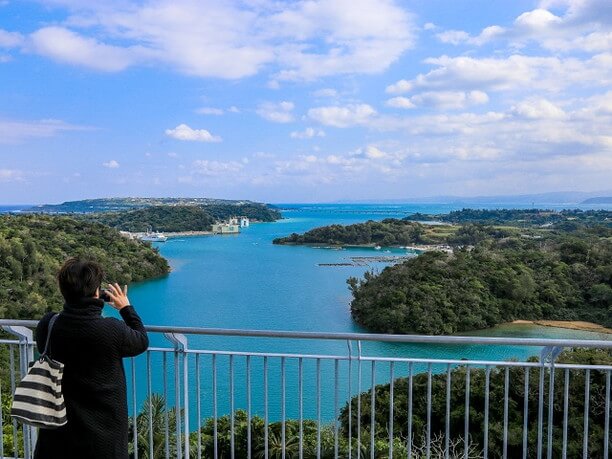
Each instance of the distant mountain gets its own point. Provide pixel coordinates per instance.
(121, 204)
(598, 200)
(555, 197)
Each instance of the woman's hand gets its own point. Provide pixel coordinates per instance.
(119, 299)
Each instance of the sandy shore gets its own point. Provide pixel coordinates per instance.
(570, 324)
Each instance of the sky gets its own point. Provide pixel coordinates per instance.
(303, 101)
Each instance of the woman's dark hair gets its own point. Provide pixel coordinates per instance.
(79, 278)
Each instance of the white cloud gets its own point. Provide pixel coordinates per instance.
(457, 37)
(301, 40)
(445, 100)
(325, 92)
(18, 131)
(10, 39)
(400, 87)
(400, 102)
(184, 132)
(513, 73)
(582, 25)
(64, 45)
(276, 112)
(337, 116)
(112, 164)
(11, 175)
(216, 168)
(357, 36)
(538, 108)
(307, 133)
(210, 111)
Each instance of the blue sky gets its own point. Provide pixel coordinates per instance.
(317, 100)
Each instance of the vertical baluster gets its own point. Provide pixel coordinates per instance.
(447, 415)
(336, 397)
(540, 410)
(466, 427)
(214, 390)
(359, 403)
(198, 404)
(428, 439)
(177, 405)
(409, 445)
(373, 411)
(1, 424)
(12, 365)
(350, 404)
(283, 413)
(607, 417)
(506, 389)
(265, 370)
(249, 414)
(551, 394)
(391, 386)
(485, 446)
(301, 404)
(186, 402)
(565, 412)
(150, 407)
(134, 408)
(526, 413)
(318, 408)
(587, 398)
(232, 407)
(166, 417)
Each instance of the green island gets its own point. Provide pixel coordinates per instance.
(33, 247)
(557, 267)
(172, 215)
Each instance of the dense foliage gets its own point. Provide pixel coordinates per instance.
(568, 277)
(254, 211)
(32, 248)
(121, 204)
(156, 218)
(389, 232)
(521, 217)
(516, 397)
(178, 218)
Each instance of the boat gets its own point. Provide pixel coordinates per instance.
(154, 237)
(377, 247)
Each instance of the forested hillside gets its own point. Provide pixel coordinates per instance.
(32, 248)
(565, 277)
(157, 218)
(564, 219)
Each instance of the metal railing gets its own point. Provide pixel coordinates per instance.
(200, 392)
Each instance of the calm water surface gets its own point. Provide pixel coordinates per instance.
(244, 281)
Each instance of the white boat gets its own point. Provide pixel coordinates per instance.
(154, 237)
(377, 247)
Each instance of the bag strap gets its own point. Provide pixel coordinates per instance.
(49, 328)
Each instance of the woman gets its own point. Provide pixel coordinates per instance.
(91, 348)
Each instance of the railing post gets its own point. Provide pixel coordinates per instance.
(550, 353)
(179, 341)
(26, 355)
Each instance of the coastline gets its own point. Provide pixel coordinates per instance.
(568, 324)
(413, 247)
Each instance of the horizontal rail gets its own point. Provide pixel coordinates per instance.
(415, 339)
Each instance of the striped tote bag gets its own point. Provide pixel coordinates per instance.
(38, 399)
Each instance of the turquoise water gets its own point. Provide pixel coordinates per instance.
(244, 281)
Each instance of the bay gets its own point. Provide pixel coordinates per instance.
(245, 282)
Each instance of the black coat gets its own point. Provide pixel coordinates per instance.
(91, 348)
